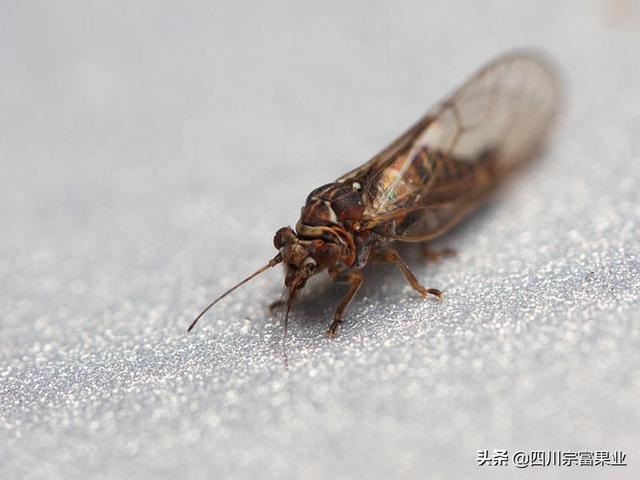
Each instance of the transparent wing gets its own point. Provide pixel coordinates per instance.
(459, 151)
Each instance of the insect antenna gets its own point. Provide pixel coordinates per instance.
(272, 263)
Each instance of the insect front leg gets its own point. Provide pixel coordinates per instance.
(392, 256)
(354, 279)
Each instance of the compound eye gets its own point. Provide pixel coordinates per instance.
(283, 236)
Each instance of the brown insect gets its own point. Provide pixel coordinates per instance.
(421, 185)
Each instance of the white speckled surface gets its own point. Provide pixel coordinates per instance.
(148, 153)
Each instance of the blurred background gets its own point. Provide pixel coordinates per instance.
(150, 149)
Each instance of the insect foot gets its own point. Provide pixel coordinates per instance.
(332, 331)
(435, 292)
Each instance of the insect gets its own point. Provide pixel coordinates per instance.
(422, 184)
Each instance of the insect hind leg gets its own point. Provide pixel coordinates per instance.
(392, 256)
(435, 255)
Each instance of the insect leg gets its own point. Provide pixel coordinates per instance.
(354, 278)
(433, 255)
(392, 256)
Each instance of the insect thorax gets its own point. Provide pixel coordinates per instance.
(332, 213)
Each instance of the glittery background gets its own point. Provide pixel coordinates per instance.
(149, 151)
